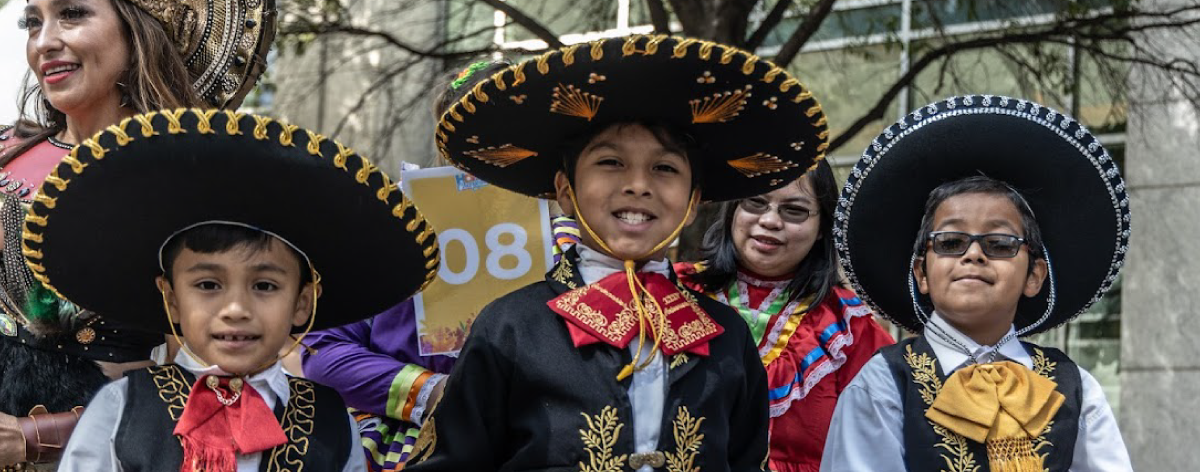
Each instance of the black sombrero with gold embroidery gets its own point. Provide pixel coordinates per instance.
(1069, 180)
(754, 125)
(223, 43)
(97, 225)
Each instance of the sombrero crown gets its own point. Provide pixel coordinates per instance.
(224, 43)
(1070, 181)
(755, 126)
(97, 225)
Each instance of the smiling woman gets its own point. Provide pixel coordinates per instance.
(93, 64)
(771, 257)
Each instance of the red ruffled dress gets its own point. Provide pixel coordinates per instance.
(810, 357)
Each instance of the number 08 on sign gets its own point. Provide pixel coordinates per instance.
(493, 242)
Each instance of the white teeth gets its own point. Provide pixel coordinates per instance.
(226, 337)
(62, 69)
(633, 217)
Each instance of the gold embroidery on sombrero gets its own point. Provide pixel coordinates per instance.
(706, 78)
(771, 103)
(70, 160)
(478, 93)
(518, 99)
(260, 127)
(314, 143)
(569, 100)
(173, 124)
(97, 150)
(204, 121)
(568, 54)
(287, 133)
(518, 72)
(759, 164)
(118, 131)
(720, 107)
(233, 122)
(45, 200)
(594, 78)
(502, 156)
(771, 74)
(599, 439)
(147, 126)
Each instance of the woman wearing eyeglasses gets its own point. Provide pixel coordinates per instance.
(772, 258)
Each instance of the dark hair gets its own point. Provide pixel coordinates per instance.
(669, 137)
(214, 238)
(817, 273)
(448, 93)
(986, 185)
(156, 79)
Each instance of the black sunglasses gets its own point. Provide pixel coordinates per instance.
(956, 243)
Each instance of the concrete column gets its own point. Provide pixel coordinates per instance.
(1160, 356)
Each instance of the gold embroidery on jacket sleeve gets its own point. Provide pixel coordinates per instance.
(924, 372)
(687, 442)
(599, 439)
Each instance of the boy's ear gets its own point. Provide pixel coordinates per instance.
(562, 187)
(1037, 276)
(918, 269)
(168, 293)
(304, 304)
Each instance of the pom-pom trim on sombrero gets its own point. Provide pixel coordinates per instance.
(1064, 127)
(569, 101)
(155, 125)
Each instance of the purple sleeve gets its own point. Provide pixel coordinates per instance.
(363, 361)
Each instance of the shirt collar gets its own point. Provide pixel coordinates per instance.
(951, 358)
(271, 381)
(594, 265)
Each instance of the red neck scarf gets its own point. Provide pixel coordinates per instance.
(225, 417)
(605, 312)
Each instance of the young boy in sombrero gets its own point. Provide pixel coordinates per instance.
(610, 364)
(1020, 221)
(227, 229)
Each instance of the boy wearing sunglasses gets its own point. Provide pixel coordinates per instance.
(994, 259)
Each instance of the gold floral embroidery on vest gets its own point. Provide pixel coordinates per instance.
(1042, 365)
(598, 441)
(688, 439)
(173, 388)
(678, 360)
(924, 372)
(297, 425)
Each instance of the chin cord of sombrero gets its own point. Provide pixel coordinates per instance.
(1003, 405)
(635, 285)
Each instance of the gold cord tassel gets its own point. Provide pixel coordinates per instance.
(1013, 455)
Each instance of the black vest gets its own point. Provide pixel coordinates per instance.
(919, 378)
(314, 420)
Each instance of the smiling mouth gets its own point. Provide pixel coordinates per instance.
(633, 217)
(61, 69)
(975, 278)
(767, 240)
(236, 337)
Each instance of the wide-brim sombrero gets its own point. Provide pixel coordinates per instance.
(97, 225)
(223, 43)
(754, 126)
(1071, 183)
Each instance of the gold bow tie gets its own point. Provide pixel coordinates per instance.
(1003, 404)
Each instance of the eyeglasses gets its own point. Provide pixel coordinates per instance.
(956, 243)
(787, 212)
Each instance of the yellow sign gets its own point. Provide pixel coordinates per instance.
(493, 242)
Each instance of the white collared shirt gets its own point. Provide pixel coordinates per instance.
(648, 391)
(93, 443)
(867, 431)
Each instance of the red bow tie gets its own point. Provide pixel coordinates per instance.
(224, 417)
(605, 312)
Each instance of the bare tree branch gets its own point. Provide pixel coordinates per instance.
(658, 16)
(519, 17)
(808, 27)
(768, 24)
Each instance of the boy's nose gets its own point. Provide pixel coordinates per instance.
(975, 252)
(637, 183)
(234, 309)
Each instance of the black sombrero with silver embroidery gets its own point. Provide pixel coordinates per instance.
(1070, 181)
(97, 225)
(754, 125)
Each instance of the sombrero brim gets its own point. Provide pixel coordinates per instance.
(755, 126)
(97, 225)
(1070, 181)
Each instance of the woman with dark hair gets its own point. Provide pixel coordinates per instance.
(771, 257)
(96, 62)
